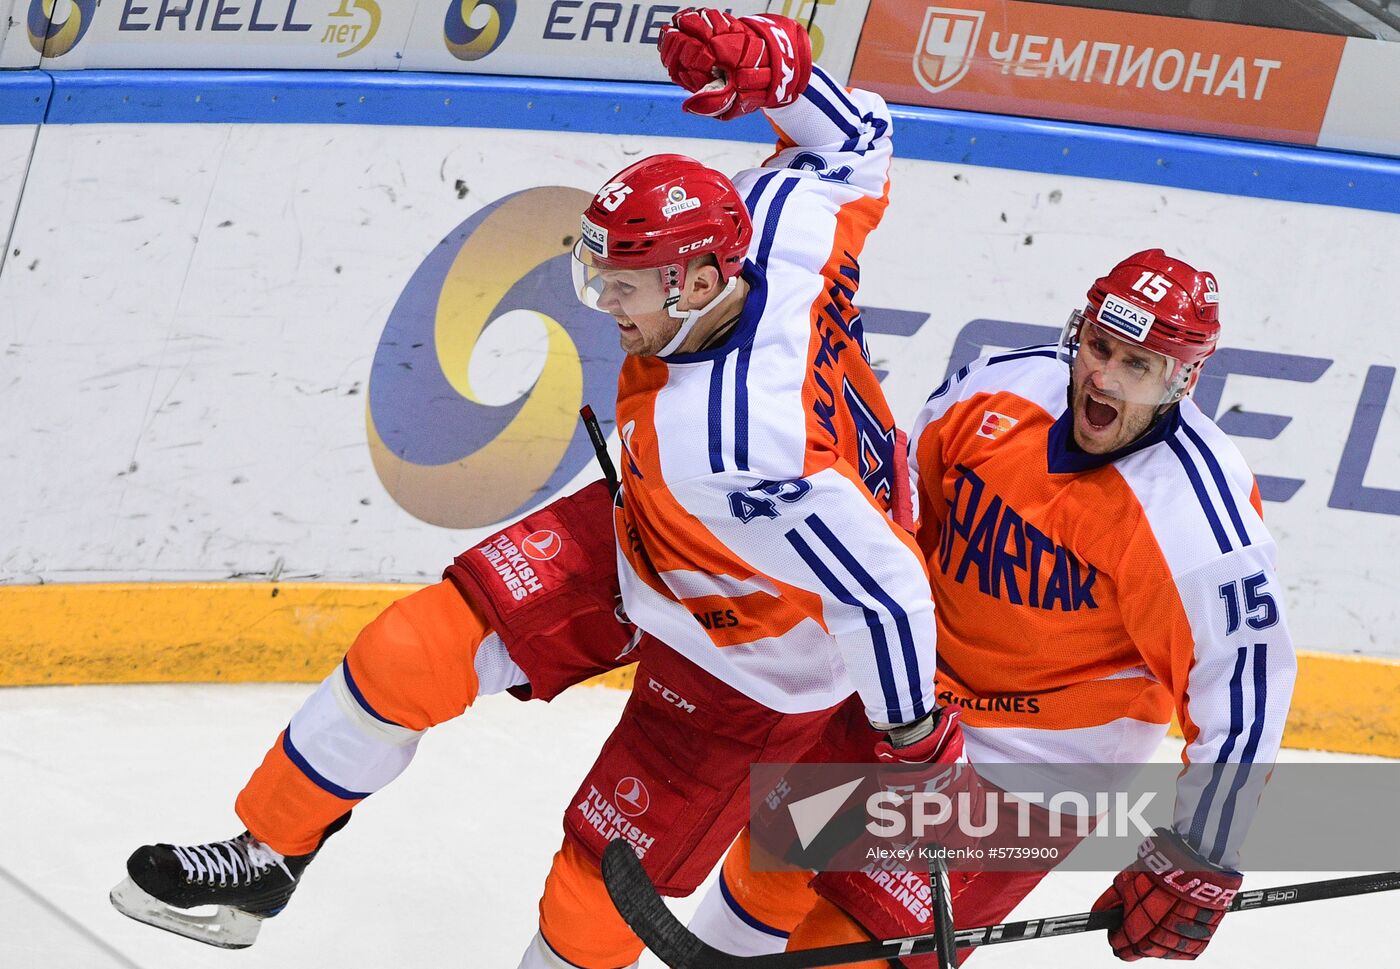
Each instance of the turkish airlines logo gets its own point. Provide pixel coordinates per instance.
(946, 45)
(542, 545)
(632, 797)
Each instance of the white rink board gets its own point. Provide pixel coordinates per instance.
(16, 142)
(15, 48)
(205, 303)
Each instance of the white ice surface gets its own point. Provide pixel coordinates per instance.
(442, 869)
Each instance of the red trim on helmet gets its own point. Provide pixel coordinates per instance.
(1183, 302)
(663, 211)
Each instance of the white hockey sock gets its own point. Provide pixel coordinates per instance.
(540, 956)
(723, 923)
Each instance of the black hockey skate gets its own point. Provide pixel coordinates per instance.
(244, 880)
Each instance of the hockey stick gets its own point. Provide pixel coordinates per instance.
(944, 943)
(675, 945)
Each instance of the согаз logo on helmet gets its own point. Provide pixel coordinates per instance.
(474, 28)
(54, 38)
(446, 452)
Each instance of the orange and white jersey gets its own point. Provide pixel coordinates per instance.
(754, 531)
(1083, 599)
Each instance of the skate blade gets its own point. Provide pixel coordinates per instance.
(227, 928)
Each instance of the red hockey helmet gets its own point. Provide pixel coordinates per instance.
(1160, 305)
(661, 213)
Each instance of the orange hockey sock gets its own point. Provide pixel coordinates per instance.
(577, 918)
(777, 899)
(411, 668)
(826, 924)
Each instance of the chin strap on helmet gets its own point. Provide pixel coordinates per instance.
(689, 318)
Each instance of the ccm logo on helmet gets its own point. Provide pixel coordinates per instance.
(692, 246)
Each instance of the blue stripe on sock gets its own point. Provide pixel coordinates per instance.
(744, 916)
(313, 775)
(360, 697)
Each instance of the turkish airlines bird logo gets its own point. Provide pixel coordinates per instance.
(632, 797)
(542, 545)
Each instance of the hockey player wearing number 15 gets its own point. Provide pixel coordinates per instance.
(1098, 559)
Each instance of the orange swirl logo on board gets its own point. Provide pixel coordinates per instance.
(447, 452)
(54, 38)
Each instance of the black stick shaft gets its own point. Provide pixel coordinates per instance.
(946, 943)
(600, 447)
(636, 899)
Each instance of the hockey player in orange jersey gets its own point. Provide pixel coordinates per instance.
(760, 533)
(1098, 556)
(762, 542)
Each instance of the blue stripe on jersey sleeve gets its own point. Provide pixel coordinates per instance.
(1218, 475)
(1251, 748)
(877, 629)
(770, 221)
(716, 415)
(1202, 496)
(741, 408)
(1198, 821)
(820, 76)
(755, 193)
(872, 588)
(835, 116)
(943, 388)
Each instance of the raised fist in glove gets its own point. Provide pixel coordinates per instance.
(1172, 900)
(734, 65)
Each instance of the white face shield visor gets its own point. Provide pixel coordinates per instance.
(1120, 368)
(637, 293)
(619, 292)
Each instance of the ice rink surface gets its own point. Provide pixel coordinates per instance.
(442, 869)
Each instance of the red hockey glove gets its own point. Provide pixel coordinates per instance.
(893, 898)
(935, 739)
(1172, 900)
(734, 65)
(548, 585)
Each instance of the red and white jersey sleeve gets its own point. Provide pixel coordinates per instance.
(754, 532)
(1082, 601)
